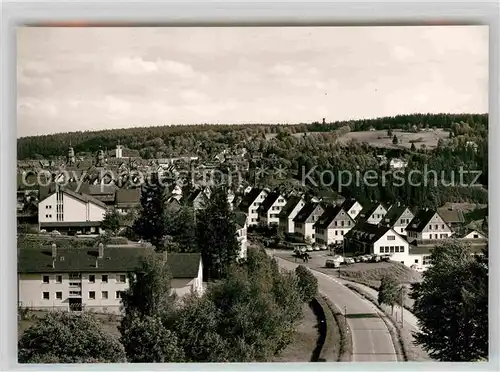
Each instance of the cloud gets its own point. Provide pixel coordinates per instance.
(140, 66)
(281, 69)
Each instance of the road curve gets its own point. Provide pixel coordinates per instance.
(371, 339)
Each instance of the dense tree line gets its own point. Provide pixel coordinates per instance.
(205, 139)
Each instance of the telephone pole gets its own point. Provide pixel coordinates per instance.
(402, 305)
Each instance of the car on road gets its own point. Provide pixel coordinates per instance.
(349, 260)
(332, 263)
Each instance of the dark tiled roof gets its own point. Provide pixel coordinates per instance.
(128, 196)
(348, 204)
(269, 201)
(368, 210)
(327, 217)
(249, 198)
(116, 259)
(289, 206)
(306, 211)
(85, 198)
(366, 232)
(421, 220)
(393, 214)
(427, 247)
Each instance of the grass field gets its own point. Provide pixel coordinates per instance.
(379, 138)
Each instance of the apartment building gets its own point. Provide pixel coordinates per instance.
(76, 278)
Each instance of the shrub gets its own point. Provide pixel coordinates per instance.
(308, 283)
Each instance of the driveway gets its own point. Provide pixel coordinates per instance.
(371, 339)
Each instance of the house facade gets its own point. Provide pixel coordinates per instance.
(380, 240)
(241, 233)
(270, 208)
(68, 210)
(289, 212)
(306, 218)
(352, 207)
(72, 279)
(398, 217)
(332, 226)
(428, 225)
(250, 204)
(373, 214)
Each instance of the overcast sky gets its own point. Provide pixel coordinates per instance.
(95, 78)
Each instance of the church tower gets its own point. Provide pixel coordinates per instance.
(71, 155)
(100, 158)
(119, 150)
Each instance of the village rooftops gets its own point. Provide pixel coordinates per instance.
(426, 246)
(451, 216)
(115, 259)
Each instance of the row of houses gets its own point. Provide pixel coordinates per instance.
(406, 235)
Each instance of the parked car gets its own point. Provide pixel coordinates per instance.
(385, 258)
(55, 232)
(332, 263)
(375, 258)
(348, 260)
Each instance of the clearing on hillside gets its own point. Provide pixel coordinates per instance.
(379, 138)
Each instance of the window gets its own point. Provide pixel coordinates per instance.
(416, 260)
(391, 237)
(437, 227)
(59, 295)
(92, 295)
(46, 207)
(104, 295)
(118, 294)
(46, 296)
(336, 232)
(401, 249)
(426, 260)
(391, 249)
(341, 232)
(45, 278)
(396, 249)
(342, 223)
(121, 279)
(442, 226)
(402, 229)
(91, 278)
(476, 236)
(104, 278)
(430, 227)
(59, 279)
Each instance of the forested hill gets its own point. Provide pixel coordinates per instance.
(172, 140)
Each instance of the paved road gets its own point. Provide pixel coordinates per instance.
(371, 339)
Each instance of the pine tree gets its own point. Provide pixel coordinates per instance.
(412, 147)
(216, 235)
(152, 222)
(395, 140)
(389, 131)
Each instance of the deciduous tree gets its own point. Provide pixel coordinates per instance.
(451, 304)
(62, 337)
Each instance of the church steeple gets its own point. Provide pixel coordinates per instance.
(71, 155)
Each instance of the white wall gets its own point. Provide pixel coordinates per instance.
(253, 215)
(74, 210)
(290, 225)
(355, 210)
(278, 205)
(377, 215)
(397, 240)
